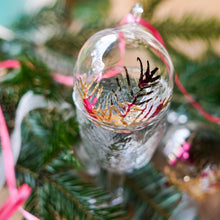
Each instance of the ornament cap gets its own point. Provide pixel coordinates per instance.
(137, 11)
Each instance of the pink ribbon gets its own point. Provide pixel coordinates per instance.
(130, 18)
(20, 195)
(17, 196)
(65, 80)
(195, 104)
(9, 64)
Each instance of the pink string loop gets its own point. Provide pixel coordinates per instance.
(14, 202)
(65, 80)
(195, 104)
(17, 196)
(130, 18)
(7, 64)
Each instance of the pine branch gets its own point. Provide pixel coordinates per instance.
(9, 98)
(152, 192)
(35, 76)
(68, 195)
(68, 43)
(201, 79)
(91, 12)
(149, 8)
(48, 134)
(55, 183)
(190, 27)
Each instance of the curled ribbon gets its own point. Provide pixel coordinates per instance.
(17, 196)
(20, 195)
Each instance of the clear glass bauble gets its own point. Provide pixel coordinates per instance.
(123, 78)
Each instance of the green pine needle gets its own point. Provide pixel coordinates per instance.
(33, 75)
(154, 198)
(190, 27)
(150, 7)
(58, 188)
(46, 164)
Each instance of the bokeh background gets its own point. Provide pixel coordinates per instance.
(190, 28)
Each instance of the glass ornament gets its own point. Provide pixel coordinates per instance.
(192, 161)
(123, 84)
(189, 156)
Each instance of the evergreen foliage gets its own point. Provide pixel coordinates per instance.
(59, 189)
(190, 27)
(154, 198)
(48, 165)
(35, 76)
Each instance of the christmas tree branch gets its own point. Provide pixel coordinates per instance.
(147, 199)
(149, 8)
(25, 170)
(190, 27)
(67, 194)
(153, 192)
